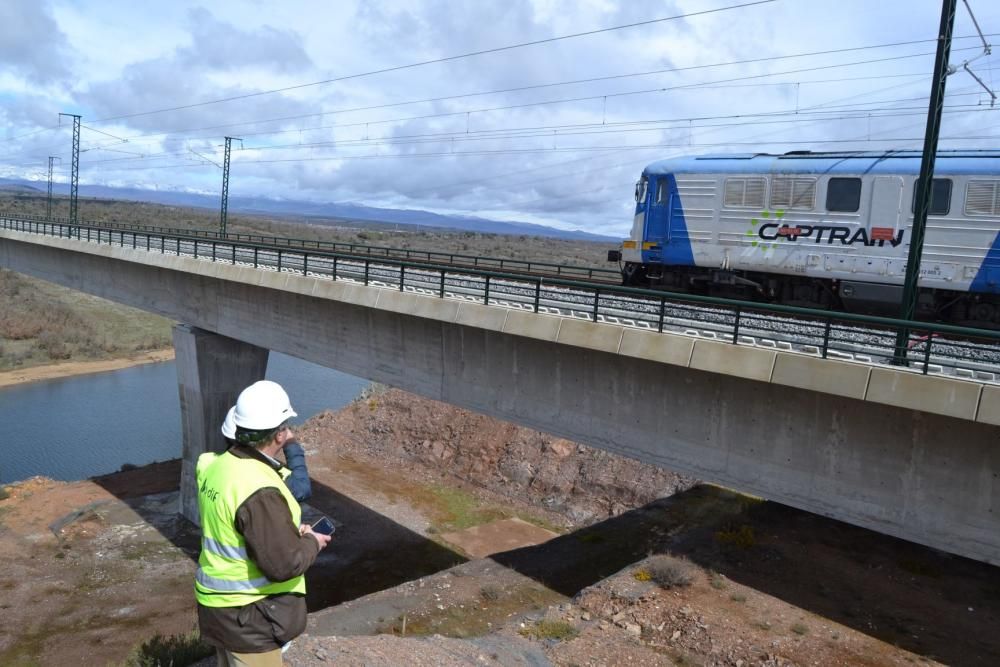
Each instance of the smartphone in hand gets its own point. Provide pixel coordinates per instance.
(324, 526)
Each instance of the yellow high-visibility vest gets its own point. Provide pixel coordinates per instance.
(226, 576)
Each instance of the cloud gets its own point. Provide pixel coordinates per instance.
(222, 46)
(32, 45)
(220, 62)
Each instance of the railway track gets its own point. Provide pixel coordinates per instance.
(934, 349)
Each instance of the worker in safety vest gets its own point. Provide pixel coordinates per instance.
(250, 585)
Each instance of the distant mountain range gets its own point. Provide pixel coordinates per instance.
(342, 211)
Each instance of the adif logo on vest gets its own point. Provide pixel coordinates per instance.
(211, 494)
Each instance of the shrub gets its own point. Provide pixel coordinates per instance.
(4, 493)
(54, 345)
(172, 651)
(669, 572)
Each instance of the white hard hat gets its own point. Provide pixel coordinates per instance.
(229, 426)
(261, 406)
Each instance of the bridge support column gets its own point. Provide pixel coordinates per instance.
(211, 372)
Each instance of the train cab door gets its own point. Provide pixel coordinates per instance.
(657, 220)
(885, 214)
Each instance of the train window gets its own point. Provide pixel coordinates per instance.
(940, 197)
(982, 198)
(745, 193)
(662, 191)
(797, 193)
(843, 195)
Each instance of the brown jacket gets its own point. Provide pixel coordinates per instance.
(274, 544)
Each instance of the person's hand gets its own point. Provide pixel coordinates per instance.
(306, 529)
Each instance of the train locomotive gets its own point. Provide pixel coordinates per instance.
(821, 230)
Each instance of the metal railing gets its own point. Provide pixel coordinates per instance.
(933, 348)
(406, 254)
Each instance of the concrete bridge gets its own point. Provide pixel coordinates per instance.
(905, 454)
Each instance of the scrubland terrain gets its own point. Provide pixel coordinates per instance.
(523, 247)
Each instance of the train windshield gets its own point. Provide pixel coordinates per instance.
(640, 189)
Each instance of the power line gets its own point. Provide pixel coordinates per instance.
(565, 83)
(584, 98)
(470, 54)
(546, 85)
(566, 149)
(694, 85)
(512, 132)
(608, 128)
(835, 113)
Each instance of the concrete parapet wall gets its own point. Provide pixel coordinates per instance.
(905, 454)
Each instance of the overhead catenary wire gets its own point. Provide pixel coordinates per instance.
(587, 98)
(563, 83)
(514, 132)
(564, 149)
(680, 87)
(565, 130)
(987, 49)
(444, 59)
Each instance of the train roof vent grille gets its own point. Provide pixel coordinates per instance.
(745, 192)
(798, 193)
(982, 198)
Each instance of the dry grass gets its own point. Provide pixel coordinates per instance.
(41, 323)
(548, 629)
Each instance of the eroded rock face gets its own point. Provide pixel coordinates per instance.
(583, 483)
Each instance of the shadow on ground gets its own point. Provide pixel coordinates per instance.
(925, 601)
(369, 553)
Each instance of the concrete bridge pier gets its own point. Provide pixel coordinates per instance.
(211, 372)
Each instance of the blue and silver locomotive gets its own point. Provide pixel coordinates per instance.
(827, 230)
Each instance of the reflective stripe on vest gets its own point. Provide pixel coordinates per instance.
(236, 553)
(227, 576)
(224, 585)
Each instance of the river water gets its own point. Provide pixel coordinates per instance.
(77, 427)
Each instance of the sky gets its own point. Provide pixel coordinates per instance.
(541, 111)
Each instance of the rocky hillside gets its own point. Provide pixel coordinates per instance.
(581, 483)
